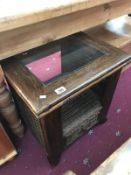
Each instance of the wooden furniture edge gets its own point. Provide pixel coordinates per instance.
(49, 11)
(9, 157)
(12, 153)
(28, 37)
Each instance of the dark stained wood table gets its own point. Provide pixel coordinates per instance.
(24, 28)
(30, 27)
(85, 62)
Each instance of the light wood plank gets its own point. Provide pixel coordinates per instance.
(22, 39)
(25, 12)
(118, 163)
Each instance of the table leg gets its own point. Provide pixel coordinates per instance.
(8, 110)
(108, 95)
(52, 130)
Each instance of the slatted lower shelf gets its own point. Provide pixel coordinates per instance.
(79, 115)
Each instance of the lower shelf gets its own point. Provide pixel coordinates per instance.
(79, 115)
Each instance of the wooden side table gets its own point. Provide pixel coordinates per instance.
(7, 150)
(52, 106)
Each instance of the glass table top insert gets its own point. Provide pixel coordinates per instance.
(61, 59)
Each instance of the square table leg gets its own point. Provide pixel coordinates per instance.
(108, 93)
(52, 131)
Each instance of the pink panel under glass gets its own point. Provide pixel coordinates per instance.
(47, 67)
